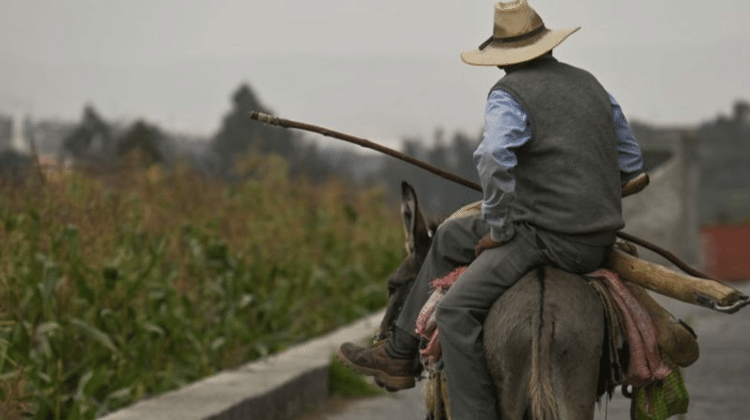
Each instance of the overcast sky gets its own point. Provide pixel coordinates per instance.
(382, 69)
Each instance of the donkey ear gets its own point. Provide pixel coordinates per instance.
(415, 228)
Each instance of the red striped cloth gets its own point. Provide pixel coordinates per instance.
(426, 326)
(646, 364)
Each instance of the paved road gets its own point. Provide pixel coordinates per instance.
(719, 382)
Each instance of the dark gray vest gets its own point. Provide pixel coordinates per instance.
(568, 177)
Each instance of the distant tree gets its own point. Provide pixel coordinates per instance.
(239, 135)
(462, 151)
(440, 197)
(742, 112)
(462, 154)
(439, 155)
(91, 140)
(724, 147)
(414, 147)
(310, 161)
(144, 139)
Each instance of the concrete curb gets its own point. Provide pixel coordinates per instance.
(278, 387)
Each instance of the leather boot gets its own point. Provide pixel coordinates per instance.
(392, 374)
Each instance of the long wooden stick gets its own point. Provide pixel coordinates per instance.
(664, 253)
(284, 123)
(269, 119)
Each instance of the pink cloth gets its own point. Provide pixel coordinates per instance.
(646, 364)
(426, 325)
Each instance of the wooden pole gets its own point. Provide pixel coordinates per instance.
(269, 119)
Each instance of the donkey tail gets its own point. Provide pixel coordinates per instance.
(543, 405)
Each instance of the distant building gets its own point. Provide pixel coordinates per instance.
(727, 251)
(666, 212)
(14, 148)
(14, 133)
(20, 134)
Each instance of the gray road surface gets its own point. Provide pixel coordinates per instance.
(719, 382)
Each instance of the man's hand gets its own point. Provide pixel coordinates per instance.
(485, 243)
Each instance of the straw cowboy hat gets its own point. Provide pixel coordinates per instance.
(519, 35)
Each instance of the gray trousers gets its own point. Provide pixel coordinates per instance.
(460, 316)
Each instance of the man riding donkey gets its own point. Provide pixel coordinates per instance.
(555, 154)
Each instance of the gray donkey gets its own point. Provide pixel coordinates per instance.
(543, 337)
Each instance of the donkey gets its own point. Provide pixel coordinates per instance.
(543, 337)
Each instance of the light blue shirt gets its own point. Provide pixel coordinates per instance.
(507, 127)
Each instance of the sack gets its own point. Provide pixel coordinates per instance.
(661, 400)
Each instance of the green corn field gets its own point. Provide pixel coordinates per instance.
(118, 288)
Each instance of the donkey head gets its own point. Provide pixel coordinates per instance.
(418, 240)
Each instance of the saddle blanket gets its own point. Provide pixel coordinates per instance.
(426, 324)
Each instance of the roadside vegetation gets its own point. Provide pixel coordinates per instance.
(120, 287)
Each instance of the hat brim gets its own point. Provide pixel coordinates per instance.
(505, 54)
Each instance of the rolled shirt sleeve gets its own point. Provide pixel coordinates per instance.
(506, 127)
(629, 152)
